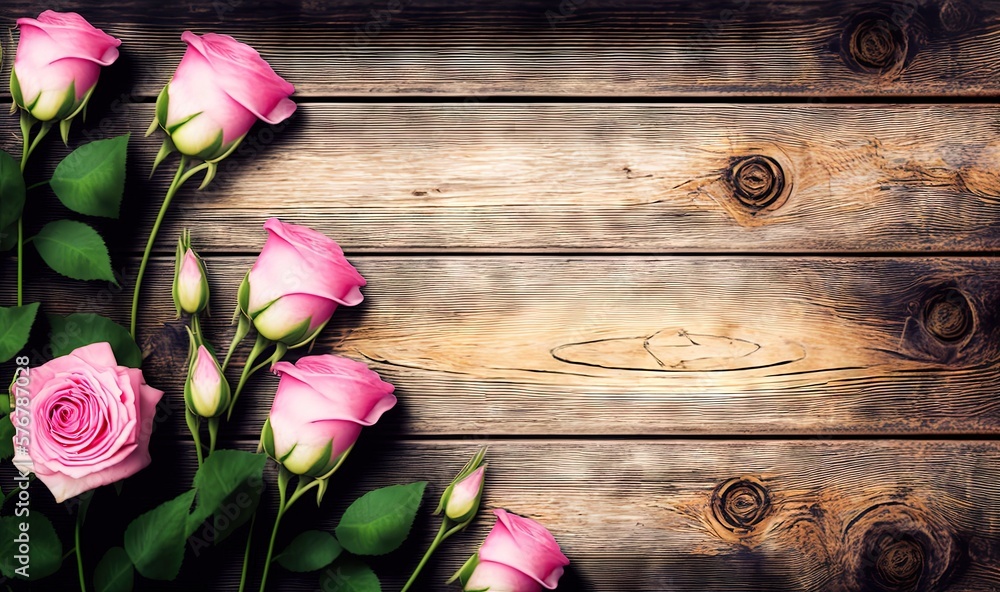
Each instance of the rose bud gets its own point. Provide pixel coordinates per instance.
(319, 409)
(89, 419)
(296, 284)
(519, 555)
(220, 89)
(190, 278)
(206, 391)
(463, 499)
(460, 501)
(59, 58)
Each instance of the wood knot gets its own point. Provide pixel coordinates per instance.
(956, 16)
(900, 548)
(875, 44)
(898, 562)
(948, 315)
(741, 505)
(757, 181)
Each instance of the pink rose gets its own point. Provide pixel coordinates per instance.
(220, 89)
(297, 282)
(318, 412)
(89, 421)
(59, 58)
(519, 555)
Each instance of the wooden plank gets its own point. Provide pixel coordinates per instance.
(574, 47)
(575, 177)
(668, 515)
(645, 345)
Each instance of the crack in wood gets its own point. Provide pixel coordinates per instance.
(679, 350)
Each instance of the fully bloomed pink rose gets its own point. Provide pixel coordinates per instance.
(318, 412)
(57, 53)
(89, 421)
(220, 89)
(519, 555)
(299, 279)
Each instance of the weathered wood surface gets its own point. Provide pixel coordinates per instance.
(635, 515)
(615, 290)
(639, 178)
(595, 48)
(643, 345)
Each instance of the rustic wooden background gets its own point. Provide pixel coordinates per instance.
(716, 281)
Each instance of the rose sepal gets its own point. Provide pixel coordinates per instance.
(67, 122)
(465, 572)
(166, 149)
(15, 92)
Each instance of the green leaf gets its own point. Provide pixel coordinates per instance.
(91, 180)
(114, 573)
(12, 189)
(45, 548)
(15, 327)
(349, 575)
(379, 521)
(223, 473)
(7, 432)
(83, 328)
(75, 250)
(155, 541)
(237, 509)
(311, 550)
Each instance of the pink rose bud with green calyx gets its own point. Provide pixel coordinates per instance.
(460, 501)
(191, 286)
(296, 284)
(321, 405)
(220, 89)
(206, 391)
(463, 500)
(59, 59)
(519, 555)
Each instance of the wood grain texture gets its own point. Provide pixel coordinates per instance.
(665, 516)
(618, 178)
(574, 47)
(644, 345)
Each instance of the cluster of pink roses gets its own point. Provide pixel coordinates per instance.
(92, 418)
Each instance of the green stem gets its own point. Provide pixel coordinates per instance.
(194, 425)
(79, 553)
(242, 329)
(26, 149)
(20, 259)
(196, 329)
(179, 179)
(442, 534)
(259, 346)
(284, 476)
(246, 552)
(36, 185)
(213, 434)
(260, 366)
